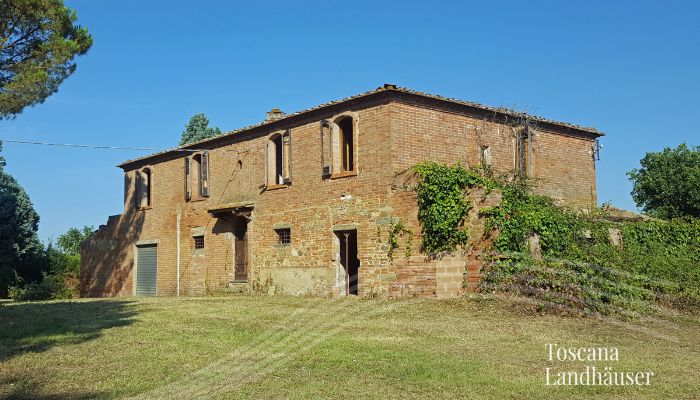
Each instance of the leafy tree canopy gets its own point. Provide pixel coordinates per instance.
(198, 129)
(38, 43)
(19, 243)
(668, 183)
(70, 241)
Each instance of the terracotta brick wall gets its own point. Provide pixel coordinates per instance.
(390, 138)
(311, 205)
(566, 167)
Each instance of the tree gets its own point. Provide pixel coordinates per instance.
(38, 43)
(198, 129)
(70, 241)
(668, 183)
(20, 249)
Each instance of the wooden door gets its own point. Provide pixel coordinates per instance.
(241, 259)
(240, 228)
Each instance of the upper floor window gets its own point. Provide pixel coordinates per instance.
(338, 146)
(522, 153)
(197, 175)
(347, 144)
(278, 155)
(144, 188)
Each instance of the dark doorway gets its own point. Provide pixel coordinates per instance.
(240, 233)
(349, 260)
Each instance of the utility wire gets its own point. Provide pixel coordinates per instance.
(90, 146)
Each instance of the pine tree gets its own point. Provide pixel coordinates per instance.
(198, 129)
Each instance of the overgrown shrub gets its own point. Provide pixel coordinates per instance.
(522, 214)
(50, 287)
(658, 261)
(61, 265)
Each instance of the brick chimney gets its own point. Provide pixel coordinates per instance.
(274, 115)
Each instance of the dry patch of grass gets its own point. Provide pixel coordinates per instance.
(289, 347)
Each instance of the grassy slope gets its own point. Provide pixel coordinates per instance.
(285, 347)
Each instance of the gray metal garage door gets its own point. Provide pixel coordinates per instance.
(146, 269)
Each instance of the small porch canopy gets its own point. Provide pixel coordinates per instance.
(227, 210)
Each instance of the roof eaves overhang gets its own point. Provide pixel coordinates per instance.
(381, 95)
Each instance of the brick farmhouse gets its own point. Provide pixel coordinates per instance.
(304, 203)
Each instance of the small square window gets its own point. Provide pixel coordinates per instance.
(284, 235)
(198, 242)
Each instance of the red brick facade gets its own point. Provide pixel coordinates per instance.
(392, 129)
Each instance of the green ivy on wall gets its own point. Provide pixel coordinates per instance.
(442, 204)
(399, 229)
(657, 261)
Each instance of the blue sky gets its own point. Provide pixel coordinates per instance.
(630, 69)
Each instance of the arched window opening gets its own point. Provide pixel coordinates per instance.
(347, 144)
(144, 188)
(149, 188)
(200, 169)
(277, 144)
(278, 160)
(196, 167)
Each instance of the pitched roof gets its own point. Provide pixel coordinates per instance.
(387, 90)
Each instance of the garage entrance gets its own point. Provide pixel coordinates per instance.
(146, 270)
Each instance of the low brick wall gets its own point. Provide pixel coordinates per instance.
(414, 280)
(424, 277)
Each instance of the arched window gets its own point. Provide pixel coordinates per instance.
(144, 188)
(200, 170)
(346, 141)
(276, 143)
(341, 135)
(278, 160)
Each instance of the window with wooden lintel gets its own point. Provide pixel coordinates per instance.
(278, 159)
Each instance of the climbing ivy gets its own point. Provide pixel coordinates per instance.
(399, 229)
(522, 214)
(657, 261)
(442, 204)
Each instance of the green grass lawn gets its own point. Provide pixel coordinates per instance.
(307, 348)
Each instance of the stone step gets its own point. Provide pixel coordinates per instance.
(238, 287)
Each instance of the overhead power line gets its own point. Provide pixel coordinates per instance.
(91, 146)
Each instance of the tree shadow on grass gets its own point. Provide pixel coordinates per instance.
(35, 391)
(36, 327)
